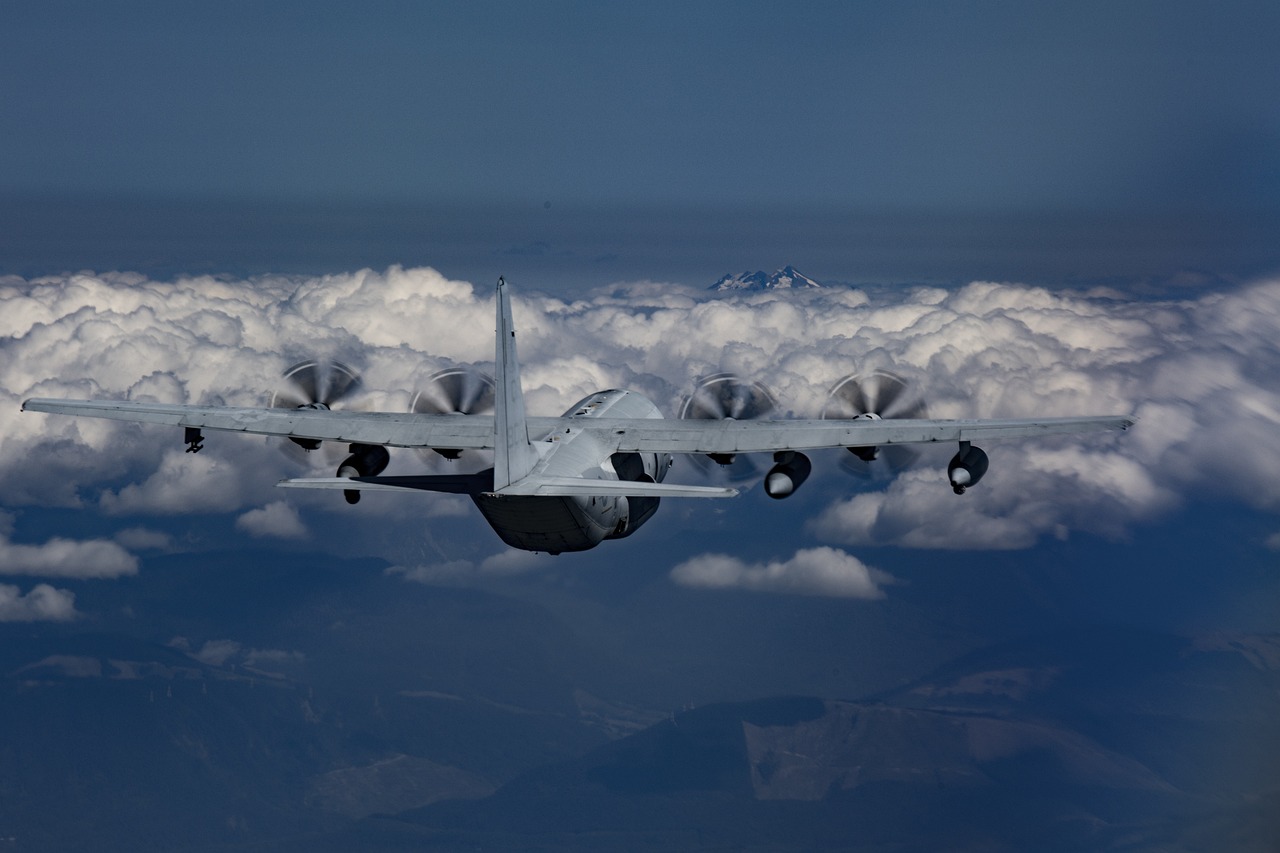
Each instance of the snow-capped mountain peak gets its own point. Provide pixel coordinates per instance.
(787, 277)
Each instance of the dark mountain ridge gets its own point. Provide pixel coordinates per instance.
(982, 755)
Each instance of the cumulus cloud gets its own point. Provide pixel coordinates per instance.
(277, 519)
(42, 604)
(216, 652)
(444, 572)
(512, 562)
(183, 483)
(504, 563)
(67, 558)
(812, 571)
(444, 506)
(1200, 373)
(1032, 490)
(225, 652)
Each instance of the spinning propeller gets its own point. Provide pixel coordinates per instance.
(725, 396)
(319, 384)
(877, 395)
(314, 384)
(454, 391)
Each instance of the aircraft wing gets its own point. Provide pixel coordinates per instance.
(468, 484)
(730, 436)
(386, 428)
(467, 432)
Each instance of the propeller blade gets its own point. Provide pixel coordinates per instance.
(455, 390)
(432, 400)
(706, 403)
(472, 397)
(315, 382)
(340, 382)
(287, 399)
(305, 377)
(724, 396)
(312, 383)
(883, 395)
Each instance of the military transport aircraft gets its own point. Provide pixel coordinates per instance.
(595, 473)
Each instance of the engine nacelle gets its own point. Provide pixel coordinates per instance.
(966, 467)
(790, 472)
(638, 468)
(366, 460)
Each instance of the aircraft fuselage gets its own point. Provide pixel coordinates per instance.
(580, 522)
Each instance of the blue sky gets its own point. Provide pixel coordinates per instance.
(1024, 208)
(573, 145)
(955, 106)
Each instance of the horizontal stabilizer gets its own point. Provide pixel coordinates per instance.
(566, 486)
(455, 484)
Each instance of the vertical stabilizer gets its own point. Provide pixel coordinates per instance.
(513, 455)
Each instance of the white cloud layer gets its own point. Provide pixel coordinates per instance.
(449, 572)
(66, 558)
(1202, 374)
(224, 652)
(42, 604)
(276, 519)
(812, 571)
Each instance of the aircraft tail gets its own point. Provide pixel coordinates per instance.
(514, 455)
